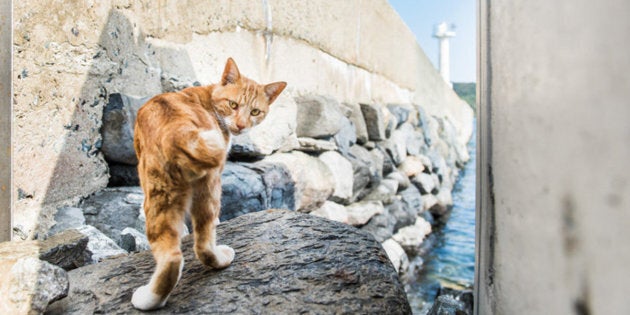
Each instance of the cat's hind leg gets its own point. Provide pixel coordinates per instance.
(163, 231)
(205, 216)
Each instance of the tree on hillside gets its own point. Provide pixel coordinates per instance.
(467, 92)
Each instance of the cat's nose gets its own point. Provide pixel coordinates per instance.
(240, 127)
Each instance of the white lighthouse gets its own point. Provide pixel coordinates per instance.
(442, 33)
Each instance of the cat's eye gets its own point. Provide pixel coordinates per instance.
(233, 105)
(255, 112)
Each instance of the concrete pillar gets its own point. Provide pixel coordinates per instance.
(554, 157)
(6, 31)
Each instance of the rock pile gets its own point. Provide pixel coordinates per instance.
(380, 168)
(286, 263)
(386, 170)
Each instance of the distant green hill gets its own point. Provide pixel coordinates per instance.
(467, 92)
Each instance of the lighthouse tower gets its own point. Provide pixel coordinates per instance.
(442, 33)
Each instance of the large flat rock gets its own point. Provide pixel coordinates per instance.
(286, 263)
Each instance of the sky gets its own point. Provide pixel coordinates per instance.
(421, 15)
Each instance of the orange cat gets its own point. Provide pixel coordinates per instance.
(182, 140)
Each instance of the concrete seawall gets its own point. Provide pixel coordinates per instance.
(70, 56)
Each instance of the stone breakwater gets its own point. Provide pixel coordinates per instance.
(387, 169)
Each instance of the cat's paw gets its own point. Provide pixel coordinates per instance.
(225, 255)
(144, 299)
(213, 139)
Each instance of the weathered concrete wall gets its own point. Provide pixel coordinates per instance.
(70, 55)
(5, 120)
(553, 169)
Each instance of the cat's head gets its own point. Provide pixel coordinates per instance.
(242, 102)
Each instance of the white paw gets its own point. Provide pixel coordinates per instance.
(225, 255)
(213, 138)
(144, 299)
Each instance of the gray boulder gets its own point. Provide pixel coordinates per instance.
(366, 171)
(99, 246)
(378, 159)
(381, 226)
(438, 164)
(412, 200)
(396, 147)
(447, 305)
(359, 213)
(67, 249)
(412, 166)
(425, 183)
(402, 214)
(445, 198)
(243, 191)
(67, 218)
(332, 211)
(423, 124)
(428, 202)
(279, 186)
(133, 241)
(465, 296)
(286, 263)
(434, 206)
(30, 284)
(385, 191)
(388, 164)
(121, 175)
(358, 121)
(346, 137)
(396, 255)
(401, 112)
(414, 139)
(402, 179)
(390, 120)
(374, 121)
(255, 187)
(415, 143)
(342, 172)
(119, 117)
(275, 133)
(112, 209)
(318, 116)
(411, 237)
(315, 145)
(426, 161)
(314, 182)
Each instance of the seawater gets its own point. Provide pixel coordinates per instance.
(448, 254)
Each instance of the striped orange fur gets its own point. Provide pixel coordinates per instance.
(182, 140)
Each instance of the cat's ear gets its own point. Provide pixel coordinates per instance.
(272, 90)
(230, 73)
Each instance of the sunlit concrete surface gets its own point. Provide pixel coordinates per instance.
(554, 176)
(5, 120)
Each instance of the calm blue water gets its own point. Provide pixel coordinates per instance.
(449, 252)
